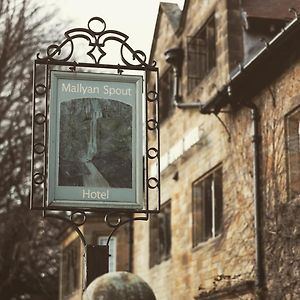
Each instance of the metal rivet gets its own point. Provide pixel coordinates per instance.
(152, 182)
(40, 89)
(152, 153)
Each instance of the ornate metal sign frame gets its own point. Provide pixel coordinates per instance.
(95, 142)
(60, 57)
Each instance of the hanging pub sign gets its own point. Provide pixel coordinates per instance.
(95, 141)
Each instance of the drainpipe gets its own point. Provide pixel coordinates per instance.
(258, 205)
(174, 57)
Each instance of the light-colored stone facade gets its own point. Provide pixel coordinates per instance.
(229, 259)
(91, 230)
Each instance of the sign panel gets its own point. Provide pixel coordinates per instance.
(95, 142)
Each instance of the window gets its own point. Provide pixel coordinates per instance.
(166, 95)
(112, 261)
(207, 206)
(71, 268)
(201, 53)
(293, 152)
(160, 235)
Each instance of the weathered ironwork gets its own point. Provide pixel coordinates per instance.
(97, 40)
(64, 57)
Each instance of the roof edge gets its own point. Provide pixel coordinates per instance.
(240, 76)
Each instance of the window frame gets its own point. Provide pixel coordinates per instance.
(159, 252)
(113, 244)
(71, 268)
(206, 227)
(200, 62)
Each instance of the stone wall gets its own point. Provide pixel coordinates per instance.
(280, 212)
(220, 267)
(190, 270)
(92, 230)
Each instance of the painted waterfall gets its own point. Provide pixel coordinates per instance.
(95, 143)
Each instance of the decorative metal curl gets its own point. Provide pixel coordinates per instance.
(154, 96)
(78, 217)
(38, 178)
(109, 222)
(96, 37)
(120, 222)
(96, 41)
(71, 223)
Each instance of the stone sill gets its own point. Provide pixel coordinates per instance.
(240, 289)
(208, 242)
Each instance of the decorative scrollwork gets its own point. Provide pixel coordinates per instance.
(96, 36)
(121, 219)
(78, 218)
(71, 223)
(94, 40)
(115, 222)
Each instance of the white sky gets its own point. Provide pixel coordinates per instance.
(135, 18)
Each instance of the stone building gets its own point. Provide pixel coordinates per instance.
(229, 111)
(73, 258)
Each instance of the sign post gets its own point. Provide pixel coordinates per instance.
(95, 134)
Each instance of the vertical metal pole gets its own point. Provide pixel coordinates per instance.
(260, 272)
(32, 137)
(46, 112)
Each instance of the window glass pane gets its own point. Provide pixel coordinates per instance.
(218, 201)
(165, 231)
(201, 53)
(154, 240)
(160, 235)
(207, 203)
(112, 250)
(198, 195)
(211, 36)
(71, 268)
(207, 207)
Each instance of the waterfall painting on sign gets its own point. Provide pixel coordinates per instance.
(95, 144)
(95, 148)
